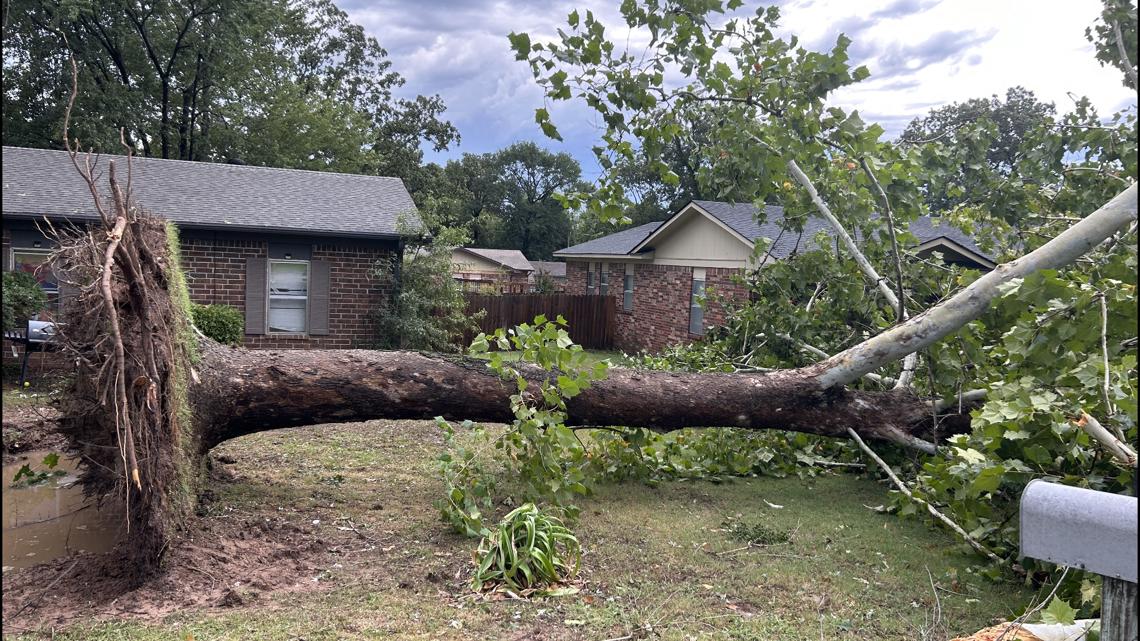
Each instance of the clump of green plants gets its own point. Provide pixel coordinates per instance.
(22, 298)
(755, 533)
(428, 311)
(26, 476)
(539, 459)
(529, 552)
(222, 323)
(548, 459)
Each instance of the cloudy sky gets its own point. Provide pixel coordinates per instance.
(921, 53)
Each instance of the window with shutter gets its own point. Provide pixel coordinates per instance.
(604, 278)
(288, 296)
(590, 278)
(255, 284)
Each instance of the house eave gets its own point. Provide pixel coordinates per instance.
(644, 257)
(292, 231)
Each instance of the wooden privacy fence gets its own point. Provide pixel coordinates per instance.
(590, 318)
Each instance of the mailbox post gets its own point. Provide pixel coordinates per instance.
(1090, 530)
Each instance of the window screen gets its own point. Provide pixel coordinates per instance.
(696, 312)
(288, 296)
(627, 289)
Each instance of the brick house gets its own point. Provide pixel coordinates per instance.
(663, 274)
(292, 250)
(491, 271)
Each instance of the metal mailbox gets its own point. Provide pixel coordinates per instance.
(1081, 528)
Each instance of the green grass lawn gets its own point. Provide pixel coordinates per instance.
(658, 561)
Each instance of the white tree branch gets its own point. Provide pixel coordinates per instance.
(925, 329)
(929, 508)
(1114, 445)
(1128, 67)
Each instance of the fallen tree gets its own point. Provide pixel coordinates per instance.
(151, 398)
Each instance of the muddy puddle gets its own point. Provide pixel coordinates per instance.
(51, 519)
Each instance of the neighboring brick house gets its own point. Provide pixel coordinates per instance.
(293, 250)
(491, 271)
(661, 272)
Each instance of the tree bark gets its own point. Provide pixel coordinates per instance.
(244, 391)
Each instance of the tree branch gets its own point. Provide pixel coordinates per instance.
(929, 508)
(1114, 445)
(950, 315)
(1128, 67)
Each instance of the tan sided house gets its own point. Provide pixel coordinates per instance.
(292, 250)
(660, 272)
(491, 271)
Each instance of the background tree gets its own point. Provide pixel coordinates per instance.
(534, 220)
(287, 83)
(991, 128)
(508, 199)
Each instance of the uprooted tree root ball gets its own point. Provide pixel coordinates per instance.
(125, 325)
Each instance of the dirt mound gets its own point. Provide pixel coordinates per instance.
(227, 562)
(30, 428)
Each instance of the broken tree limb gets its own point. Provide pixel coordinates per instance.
(929, 508)
(927, 328)
(910, 361)
(1118, 448)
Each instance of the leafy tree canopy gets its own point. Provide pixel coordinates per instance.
(288, 83)
(509, 199)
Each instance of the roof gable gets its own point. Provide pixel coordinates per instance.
(508, 258)
(42, 182)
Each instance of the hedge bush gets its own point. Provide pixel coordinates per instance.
(222, 323)
(23, 298)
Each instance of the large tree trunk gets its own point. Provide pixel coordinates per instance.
(249, 391)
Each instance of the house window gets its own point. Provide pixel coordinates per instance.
(35, 262)
(696, 312)
(590, 278)
(604, 278)
(288, 296)
(627, 289)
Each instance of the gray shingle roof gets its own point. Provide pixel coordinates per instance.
(741, 218)
(510, 258)
(41, 182)
(618, 244)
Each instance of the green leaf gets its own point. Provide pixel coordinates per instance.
(520, 43)
(1058, 612)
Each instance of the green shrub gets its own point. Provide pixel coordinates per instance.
(23, 298)
(222, 323)
(528, 550)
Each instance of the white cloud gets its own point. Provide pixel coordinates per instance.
(922, 54)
